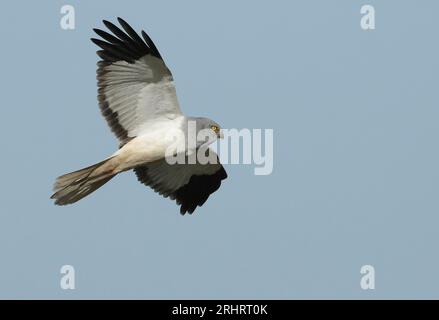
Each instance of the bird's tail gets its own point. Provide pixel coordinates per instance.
(74, 186)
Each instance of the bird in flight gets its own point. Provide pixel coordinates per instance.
(137, 98)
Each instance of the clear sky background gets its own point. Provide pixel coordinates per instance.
(356, 180)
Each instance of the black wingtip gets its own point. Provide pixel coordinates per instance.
(95, 41)
(108, 24)
(98, 31)
(186, 209)
(125, 39)
(150, 43)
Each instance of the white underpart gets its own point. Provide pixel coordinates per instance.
(152, 144)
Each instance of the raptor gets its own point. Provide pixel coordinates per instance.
(138, 99)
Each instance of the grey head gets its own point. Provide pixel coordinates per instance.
(204, 130)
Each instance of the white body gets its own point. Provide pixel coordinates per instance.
(151, 145)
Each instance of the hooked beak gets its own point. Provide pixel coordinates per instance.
(220, 134)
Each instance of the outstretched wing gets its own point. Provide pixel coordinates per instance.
(189, 184)
(135, 88)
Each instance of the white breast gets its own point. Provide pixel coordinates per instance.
(152, 144)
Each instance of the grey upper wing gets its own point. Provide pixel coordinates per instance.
(135, 87)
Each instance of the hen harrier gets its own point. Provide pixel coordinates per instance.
(138, 100)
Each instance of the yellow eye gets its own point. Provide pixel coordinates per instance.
(215, 129)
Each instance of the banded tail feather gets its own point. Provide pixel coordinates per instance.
(72, 187)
